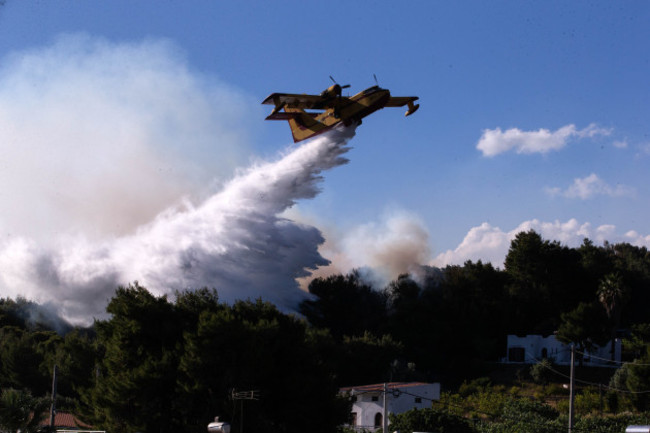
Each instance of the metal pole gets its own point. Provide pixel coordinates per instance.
(53, 405)
(571, 392)
(385, 417)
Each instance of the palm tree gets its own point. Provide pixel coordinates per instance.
(20, 412)
(613, 295)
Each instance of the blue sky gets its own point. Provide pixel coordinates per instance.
(534, 114)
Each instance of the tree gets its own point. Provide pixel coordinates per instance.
(253, 346)
(474, 309)
(20, 361)
(345, 305)
(20, 412)
(638, 381)
(613, 295)
(542, 372)
(367, 359)
(136, 381)
(546, 279)
(584, 326)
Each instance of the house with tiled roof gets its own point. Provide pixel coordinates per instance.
(368, 401)
(66, 421)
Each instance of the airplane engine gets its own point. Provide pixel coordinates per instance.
(331, 92)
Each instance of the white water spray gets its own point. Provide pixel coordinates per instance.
(235, 241)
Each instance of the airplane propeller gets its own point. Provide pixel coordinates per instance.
(337, 87)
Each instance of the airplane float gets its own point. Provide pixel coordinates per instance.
(338, 109)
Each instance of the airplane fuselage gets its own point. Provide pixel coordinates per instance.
(356, 107)
(338, 109)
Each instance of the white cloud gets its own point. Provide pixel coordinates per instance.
(590, 187)
(496, 141)
(491, 244)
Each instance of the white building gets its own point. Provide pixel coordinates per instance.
(368, 401)
(531, 349)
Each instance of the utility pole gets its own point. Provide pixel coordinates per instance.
(385, 417)
(53, 405)
(244, 395)
(571, 391)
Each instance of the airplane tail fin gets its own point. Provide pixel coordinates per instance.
(303, 125)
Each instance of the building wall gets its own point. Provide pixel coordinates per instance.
(530, 349)
(399, 399)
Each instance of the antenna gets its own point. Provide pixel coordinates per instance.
(375, 77)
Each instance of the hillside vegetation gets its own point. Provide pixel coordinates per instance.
(161, 365)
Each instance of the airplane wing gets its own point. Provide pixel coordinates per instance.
(400, 101)
(281, 115)
(291, 100)
(305, 102)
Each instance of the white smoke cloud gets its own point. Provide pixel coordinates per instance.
(490, 244)
(397, 243)
(495, 141)
(102, 142)
(589, 187)
(98, 138)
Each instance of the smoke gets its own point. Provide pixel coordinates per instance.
(107, 148)
(98, 138)
(397, 243)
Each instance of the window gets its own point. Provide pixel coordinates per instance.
(418, 400)
(516, 354)
(544, 353)
(375, 398)
(378, 420)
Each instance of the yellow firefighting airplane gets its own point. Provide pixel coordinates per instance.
(338, 109)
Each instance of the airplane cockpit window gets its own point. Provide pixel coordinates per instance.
(370, 89)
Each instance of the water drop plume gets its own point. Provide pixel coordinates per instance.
(235, 241)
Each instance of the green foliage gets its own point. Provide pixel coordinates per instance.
(21, 359)
(586, 326)
(638, 382)
(588, 402)
(157, 366)
(546, 279)
(172, 367)
(30, 316)
(520, 415)
(254, 346)
(474, 386)
(636, 343)
(345, 305)
(137, 373)
(367, 359)
(542, 372)
(610, 424)
(429, 420)
(20, 412)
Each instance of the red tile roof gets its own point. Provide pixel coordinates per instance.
(380, 386)
(67, 420)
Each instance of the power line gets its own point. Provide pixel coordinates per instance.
(613, 361)
(624, 391)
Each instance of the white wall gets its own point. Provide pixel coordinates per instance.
(401, 397)
(534, 345)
